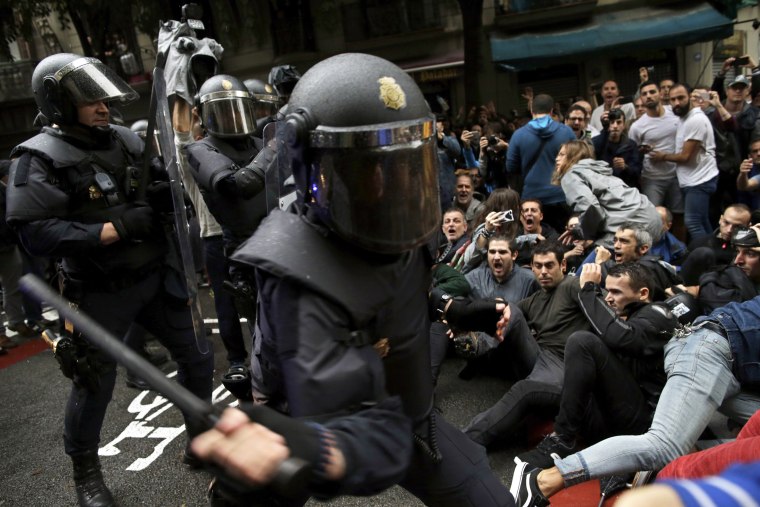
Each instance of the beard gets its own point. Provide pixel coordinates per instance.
(681, 111)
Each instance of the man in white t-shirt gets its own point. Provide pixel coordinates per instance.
(611, 97)
(694, 156)
(656, 131)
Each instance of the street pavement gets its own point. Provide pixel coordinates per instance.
(143, 436)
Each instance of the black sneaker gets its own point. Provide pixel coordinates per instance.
(524, 488)
(551, 447)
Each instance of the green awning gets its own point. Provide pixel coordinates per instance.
(622, 32)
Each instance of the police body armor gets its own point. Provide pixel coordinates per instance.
(384, 300)
(97, 187)
(210, 161)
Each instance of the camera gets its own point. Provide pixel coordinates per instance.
(492, 140)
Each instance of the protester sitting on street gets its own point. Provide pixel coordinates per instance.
(632, 243)
(714, 250)
(669, 248)
(613, 374)
(454, 230)
(707, 368)
(535, 362)
(589, 183)
(497, 278)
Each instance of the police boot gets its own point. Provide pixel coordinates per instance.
(91, 490)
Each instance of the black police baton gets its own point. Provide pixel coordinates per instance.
(292, 475)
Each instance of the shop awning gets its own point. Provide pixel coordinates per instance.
(622, 32)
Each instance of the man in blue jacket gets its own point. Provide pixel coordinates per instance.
(532, 151)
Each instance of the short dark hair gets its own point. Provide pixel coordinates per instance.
(547, 247)
(537, 201)
(637, 273)
(642, 236)
(503, 237)
(542, 104)
(576, 107)
(649, 82)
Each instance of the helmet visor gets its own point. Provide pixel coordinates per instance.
(88, 80)
(229, 113)
(379, 184)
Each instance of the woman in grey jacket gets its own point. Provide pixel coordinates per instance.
(589, 183)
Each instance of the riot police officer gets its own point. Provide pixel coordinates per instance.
(343, 288)
(266, 101)
(232, 187)
(71, 195)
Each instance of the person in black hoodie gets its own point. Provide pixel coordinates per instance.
(613, 375)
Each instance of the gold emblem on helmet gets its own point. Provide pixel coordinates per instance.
(391, 93)
(268, 88)
(94, 192)
(226, 84)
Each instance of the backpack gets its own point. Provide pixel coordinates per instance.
(722, 286)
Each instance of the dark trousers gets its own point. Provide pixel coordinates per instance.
(462, 479)
(226, 313)
(538, 387)
(599, 392)
(145, 304)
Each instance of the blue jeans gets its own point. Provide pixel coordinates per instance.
(697, 207)
(700, 379)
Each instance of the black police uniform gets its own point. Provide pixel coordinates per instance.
(212, 160)
(62, 189)
(346, 334)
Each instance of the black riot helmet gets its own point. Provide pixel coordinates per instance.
(360, 141)
(265, 98)
(226, 107)
(62, 81)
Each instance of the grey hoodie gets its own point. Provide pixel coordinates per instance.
(591, 183)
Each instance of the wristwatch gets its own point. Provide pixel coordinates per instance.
(441, 304)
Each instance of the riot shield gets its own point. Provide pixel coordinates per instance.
(280, 185)
(181, 226)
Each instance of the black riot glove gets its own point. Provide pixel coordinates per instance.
(249, 181)
(480, 315)
(159, 196)
(245, 182)
(136, 223)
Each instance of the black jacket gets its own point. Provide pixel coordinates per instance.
(638, 340)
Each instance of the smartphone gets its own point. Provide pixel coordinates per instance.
(645, 148)
(705, 96)
(625, 100)
(742, 60)
(506, 216)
